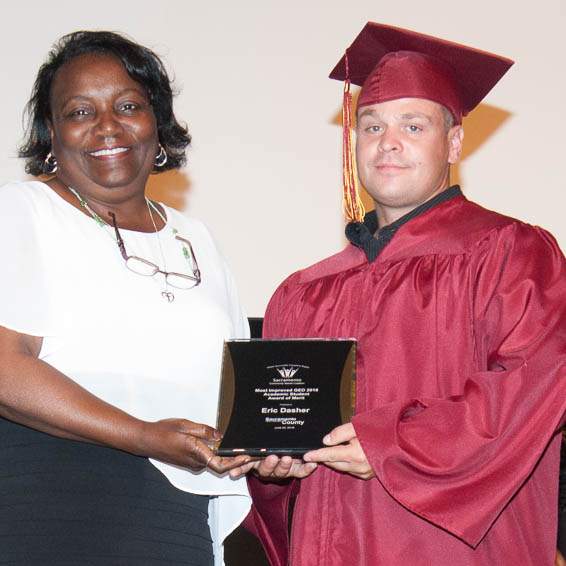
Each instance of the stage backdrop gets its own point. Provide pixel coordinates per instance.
(264, 170)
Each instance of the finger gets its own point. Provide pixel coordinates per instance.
(361, 471)
(303, 469)
(275, 470)
(242, 470)
(285, 466)
(221, 465)
(268, 465)
(348, 459)
(274, 467)
(258, 465)
(200, 430)
(288, 467)
(342, 433)
(198, 450)
(264, 467)
(330, 454)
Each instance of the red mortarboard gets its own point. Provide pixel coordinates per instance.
(391, 63)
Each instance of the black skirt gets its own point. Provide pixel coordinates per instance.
(71, 503)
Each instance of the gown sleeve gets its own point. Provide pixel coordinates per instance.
(457, 462)
(24, 304)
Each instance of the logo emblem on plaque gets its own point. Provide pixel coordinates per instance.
(289, 371)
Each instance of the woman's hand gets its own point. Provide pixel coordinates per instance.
(187, 444)
(37, 395)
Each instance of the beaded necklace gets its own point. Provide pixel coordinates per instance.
(167, 294)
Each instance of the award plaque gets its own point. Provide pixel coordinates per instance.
(283, 396)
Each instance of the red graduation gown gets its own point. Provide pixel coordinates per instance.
(461, 388)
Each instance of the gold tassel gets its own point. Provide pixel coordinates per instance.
(351, 204)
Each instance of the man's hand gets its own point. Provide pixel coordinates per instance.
(344, 454)
(348, 458)
(274, 469)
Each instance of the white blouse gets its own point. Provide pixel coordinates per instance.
(110, 329)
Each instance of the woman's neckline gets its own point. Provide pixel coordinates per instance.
(85, 214)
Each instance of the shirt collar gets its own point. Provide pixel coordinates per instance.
(363, 236)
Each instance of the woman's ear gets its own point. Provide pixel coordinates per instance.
(49, 126)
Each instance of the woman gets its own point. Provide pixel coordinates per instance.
(112, 319)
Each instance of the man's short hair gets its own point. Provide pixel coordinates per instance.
(448, 118)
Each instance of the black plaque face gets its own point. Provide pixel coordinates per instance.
(284, 396)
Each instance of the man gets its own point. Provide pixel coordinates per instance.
(460, 317)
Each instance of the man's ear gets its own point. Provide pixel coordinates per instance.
(455, 143)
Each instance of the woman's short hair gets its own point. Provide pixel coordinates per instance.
(143, 66)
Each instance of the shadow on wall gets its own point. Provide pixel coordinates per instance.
(479, 126)
(172, 188)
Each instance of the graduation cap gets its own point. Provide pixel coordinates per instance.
(391, 63)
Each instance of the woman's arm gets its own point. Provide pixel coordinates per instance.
(35, 394)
